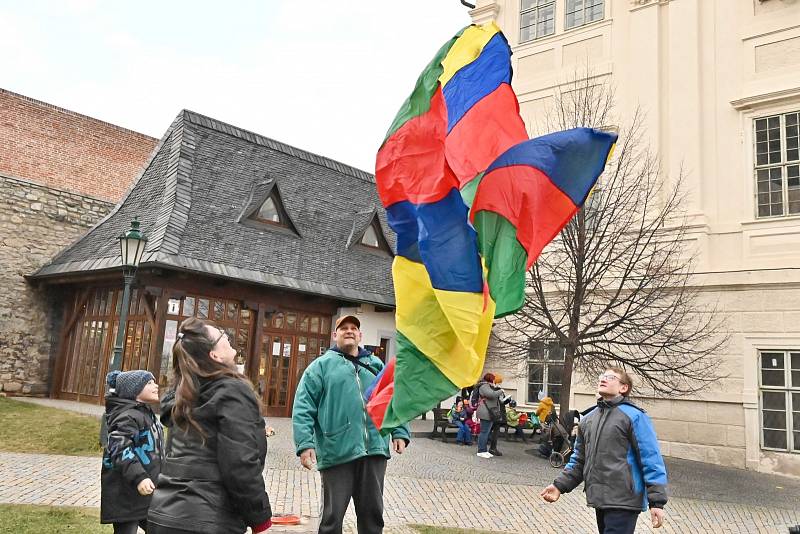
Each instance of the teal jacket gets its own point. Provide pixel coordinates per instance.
(329, 413)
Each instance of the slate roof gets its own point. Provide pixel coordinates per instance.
(202, 180)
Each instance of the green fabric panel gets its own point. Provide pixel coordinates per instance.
(419, 386)
(469, 189)
(505, 259)
(420, 100)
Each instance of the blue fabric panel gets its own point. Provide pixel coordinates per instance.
(439, 235)
(572, 159)
(402, 217)
(477, 79)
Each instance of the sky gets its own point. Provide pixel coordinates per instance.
(323, 76)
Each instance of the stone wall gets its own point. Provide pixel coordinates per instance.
(36, 222)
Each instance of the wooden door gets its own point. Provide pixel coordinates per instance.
(275, 372)
(290, 341)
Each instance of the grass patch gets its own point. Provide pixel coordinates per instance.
(26, 427)
(430, 529)
(26, 519)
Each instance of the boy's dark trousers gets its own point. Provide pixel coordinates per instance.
(612, 521)
(361, 479)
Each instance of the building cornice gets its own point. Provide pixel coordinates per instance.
(485, 13)
(765, 99)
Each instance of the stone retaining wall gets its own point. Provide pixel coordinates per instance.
(36, 222)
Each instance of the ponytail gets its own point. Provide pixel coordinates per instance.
(191, 361)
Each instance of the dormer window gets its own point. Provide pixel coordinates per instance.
(271, 210)
(373, 238)
(370, 238)
(269, 213)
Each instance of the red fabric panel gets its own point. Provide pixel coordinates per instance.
(529, 200)
(488, 129)
(411, 164)
(382, 395)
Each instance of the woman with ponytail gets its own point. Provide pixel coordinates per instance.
(212, 477)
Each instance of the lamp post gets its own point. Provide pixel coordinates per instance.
(132, 244)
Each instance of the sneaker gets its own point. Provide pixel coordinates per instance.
(496, 453)
(484, 455)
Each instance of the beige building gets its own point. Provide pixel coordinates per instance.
(719, 81)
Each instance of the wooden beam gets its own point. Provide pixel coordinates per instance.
(77, 312)
(255, 345)
(149, 311)
(160, 320)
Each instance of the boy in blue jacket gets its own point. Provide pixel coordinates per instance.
(132, 456)
(616, 433)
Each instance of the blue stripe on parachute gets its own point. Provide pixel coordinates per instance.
(477, 79)
(572, 159)
(447, 243)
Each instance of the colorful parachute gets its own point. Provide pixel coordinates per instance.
(473, 202)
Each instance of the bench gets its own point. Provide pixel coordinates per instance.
(441, 424)
(510, 432)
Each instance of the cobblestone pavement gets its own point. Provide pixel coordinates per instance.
(421, 485)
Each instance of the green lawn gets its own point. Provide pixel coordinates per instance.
(430, 529)
(24, 519)
(27, 427)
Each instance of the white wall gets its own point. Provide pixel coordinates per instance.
(702, 71)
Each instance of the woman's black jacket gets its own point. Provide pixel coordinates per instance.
(214, 485)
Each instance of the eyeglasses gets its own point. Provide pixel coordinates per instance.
(607, 378)
(222, 333)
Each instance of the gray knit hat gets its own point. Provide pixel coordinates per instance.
(129, 384)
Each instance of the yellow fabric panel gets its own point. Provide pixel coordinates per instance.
(450, 327)
(466, 49)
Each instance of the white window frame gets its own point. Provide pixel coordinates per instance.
(788, 389)
(545, 361)
(584, 9)
(536, 8)
(784, 164)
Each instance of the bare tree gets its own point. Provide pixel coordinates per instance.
(615, 287)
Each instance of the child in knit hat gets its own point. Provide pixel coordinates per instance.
(132, 456)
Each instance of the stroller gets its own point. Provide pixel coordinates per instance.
(560, 441)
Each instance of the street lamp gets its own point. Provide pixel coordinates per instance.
(132, 244)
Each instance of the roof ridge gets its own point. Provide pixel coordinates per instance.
(162, 227)
(253, 137)
(177, 186)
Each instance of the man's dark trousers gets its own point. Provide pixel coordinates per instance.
(361, 479)
(612, 521)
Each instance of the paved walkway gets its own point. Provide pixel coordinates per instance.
(422, 485)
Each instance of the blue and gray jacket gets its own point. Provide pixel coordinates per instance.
(617, 457)
(133, 453)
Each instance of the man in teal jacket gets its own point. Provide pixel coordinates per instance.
(333, 431)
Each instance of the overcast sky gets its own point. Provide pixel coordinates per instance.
(324, 76)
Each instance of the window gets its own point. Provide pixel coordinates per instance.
(780, 400)
(536, 19)
(269, 211)
(580, 12)
(370, 238)
(777, 167)
(373, 238)
(545, 368)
